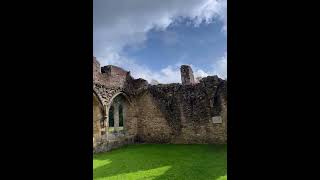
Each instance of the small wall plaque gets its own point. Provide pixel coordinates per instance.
(217, 120)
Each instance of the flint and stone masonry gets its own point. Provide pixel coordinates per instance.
(182, 113)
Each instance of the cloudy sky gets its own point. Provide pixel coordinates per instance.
(152, 38)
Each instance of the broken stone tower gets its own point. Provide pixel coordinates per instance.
(187, 77)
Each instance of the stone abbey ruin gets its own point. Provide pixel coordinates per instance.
(128, 110)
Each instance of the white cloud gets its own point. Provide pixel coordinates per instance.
(126, 22)
(117, 24)
(200, 73)
(220, 67)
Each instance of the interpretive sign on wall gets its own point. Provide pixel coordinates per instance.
(216, 119)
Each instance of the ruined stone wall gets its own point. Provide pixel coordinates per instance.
(179, 113)
(109, 76)
(130, 119)
(152, 124)
(96, 71)
(113, 76)
(191, 112)
(97, 116)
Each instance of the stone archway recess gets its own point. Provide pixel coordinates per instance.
(114, 96)
(106, 95)
(125, 103)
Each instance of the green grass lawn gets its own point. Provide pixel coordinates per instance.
(162, 161)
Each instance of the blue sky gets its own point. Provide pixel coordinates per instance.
(181, 42)
(151, 40)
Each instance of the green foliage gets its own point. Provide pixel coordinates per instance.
(162, 161)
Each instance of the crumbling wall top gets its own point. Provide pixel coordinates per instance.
(112, 76)
(114, 71)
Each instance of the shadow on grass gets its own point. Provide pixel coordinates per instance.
(165, 161)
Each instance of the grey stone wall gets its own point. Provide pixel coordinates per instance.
(188, 110)
(152, 124)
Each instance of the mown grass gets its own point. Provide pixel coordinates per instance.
(162, 161)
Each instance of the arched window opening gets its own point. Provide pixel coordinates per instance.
(117, 114)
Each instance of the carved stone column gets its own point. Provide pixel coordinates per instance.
(106, 122)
